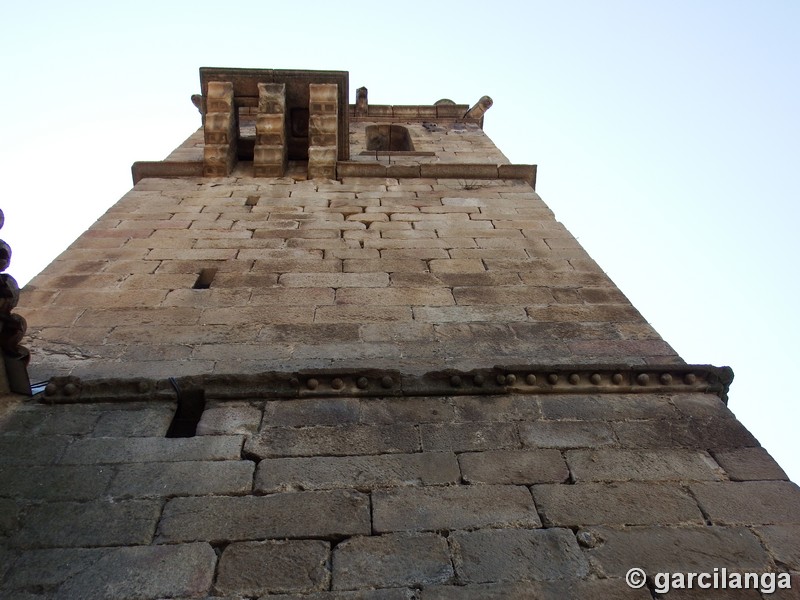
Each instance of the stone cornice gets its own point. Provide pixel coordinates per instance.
(516, 379)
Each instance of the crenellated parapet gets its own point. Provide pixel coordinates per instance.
(14, 376)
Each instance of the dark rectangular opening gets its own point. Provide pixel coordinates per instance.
(204, 279)
(191, 404)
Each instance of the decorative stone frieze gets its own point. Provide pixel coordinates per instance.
(221, 130)
(322, 130)
(521, 379)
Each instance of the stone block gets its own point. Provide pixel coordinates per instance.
(615, 504)
(513, 467)
(391, 561)
(415, 410)
(452, 507)
(71, 524)
(781, 542)
(176, 571)
(51, 420)
(509, 295)
(353, 313)
(705, 434)
(392, 296)
(277, 516)
(356, 472)
(343, 440)
(271, 97)
(29, 450)
(191, 478)
(135, 422)
(334, 280)
(566, 434)
(517, 554)
(464, 437)
(491, 407)
(749, 502)
(54, 482)
(606, 407)
(311, 411)
(749, 464)
(380, 594)
(256, 568)
(268, 155)
(145, 449)
(229, 419)
(9, 513)
(323, 93)
(569, 589)
(642, 465)
(673, 549)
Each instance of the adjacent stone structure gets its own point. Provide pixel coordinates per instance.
(397, 376)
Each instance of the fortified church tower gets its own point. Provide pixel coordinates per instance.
(344, 351)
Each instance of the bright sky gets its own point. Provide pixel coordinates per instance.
(666, 134)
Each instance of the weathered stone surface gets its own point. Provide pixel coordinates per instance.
(460, 437)
(749, 464)
(608, 407)
(384, 594)
(453, 507)
(782, 543)
(306, 412)
(357, 472)
(615, 504)
(254, 568)
(513, 467)
(749, 502)
(51, 420)
(701, 434)
(72, 524)
(229, 420)
(54, 482)
(147, 422)
(566, 434)
(391, 561)
(120, 450)
(517, 554)
(494, 408)
(27, 450)
(191, 478)
(291, 515)
(642, 465)
(406, 410)
(333, 441)
(674, 549)
(144, 572)
(9, 511)
(577, 589)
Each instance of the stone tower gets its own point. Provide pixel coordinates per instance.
(344, 351)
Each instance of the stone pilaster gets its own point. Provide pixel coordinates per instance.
(269, 156)
(322, 130)
(221, 130)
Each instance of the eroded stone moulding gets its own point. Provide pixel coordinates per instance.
(14, 376)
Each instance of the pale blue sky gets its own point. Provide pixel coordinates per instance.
(666, 135)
